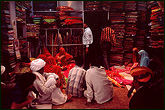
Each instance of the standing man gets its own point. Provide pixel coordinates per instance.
(87, 40)
(107, 40)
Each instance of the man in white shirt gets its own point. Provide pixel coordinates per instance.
(87, 40)
(99, 87)
(49, 91)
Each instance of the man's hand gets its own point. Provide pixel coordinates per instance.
(14, 106)
(58, 83)
(29, 99)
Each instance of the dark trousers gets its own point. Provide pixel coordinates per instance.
(88, 57)
(106, 49)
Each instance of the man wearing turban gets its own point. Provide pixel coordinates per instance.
(49, 91)
(145, 97)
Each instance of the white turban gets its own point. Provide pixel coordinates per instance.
(37, 64)
(2, 69)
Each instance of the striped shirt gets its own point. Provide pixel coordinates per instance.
(108, 35)
(76, 81)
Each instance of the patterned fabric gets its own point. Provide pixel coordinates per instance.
(108, 35)
(76, 81)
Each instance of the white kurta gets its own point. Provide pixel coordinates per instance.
(48, 92)
(98, 85)
(57, 96)
(87, 37)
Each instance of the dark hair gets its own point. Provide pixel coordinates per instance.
(95, 62)
(25, 80)
(146, 83)
(79, 60)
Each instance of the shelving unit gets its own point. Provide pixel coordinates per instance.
(62, 33)
(7, 38)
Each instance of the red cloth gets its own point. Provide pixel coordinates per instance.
(51, 67)
(62, 57)
(42, 56)
(69, 67)
(50, 61)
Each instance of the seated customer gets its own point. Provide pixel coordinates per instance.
(76, 79)
(51, 67)
(18, 97)
(5, 87)
(49, 92)
(145, 97)
(144, 59)
(99, 87)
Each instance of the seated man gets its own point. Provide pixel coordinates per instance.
(99, 87)
(18, 96)
(49, 91)
(76, 79)
(146, 96)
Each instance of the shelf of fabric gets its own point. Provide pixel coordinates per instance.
(156, 26)
(130, 5)
(7, 39)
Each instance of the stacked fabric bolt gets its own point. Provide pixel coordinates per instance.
(128, 43)
(142, 33)
(20, 14)
(119, 33)
(157, 26)
(141, 5)
(128, 57)
(117, 17)
(92, 5)
(106, 5)
(64, 8)
(32, 30)
(116, 59)
(49, 22)
(131, 29)
(117, 5)
(49, 19)
(131, 17)
(73, 20)
(37, 19)
(130, 5)
(7, 36)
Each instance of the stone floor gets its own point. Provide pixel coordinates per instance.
(119, 101)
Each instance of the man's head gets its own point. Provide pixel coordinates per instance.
(62, 51)
(37, 64)
(25, 80)
(85, 25)
(79, 60)
(142, 75)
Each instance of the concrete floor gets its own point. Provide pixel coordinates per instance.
(119, 101)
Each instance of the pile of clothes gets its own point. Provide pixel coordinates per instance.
(37, 19)
(157, 26)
